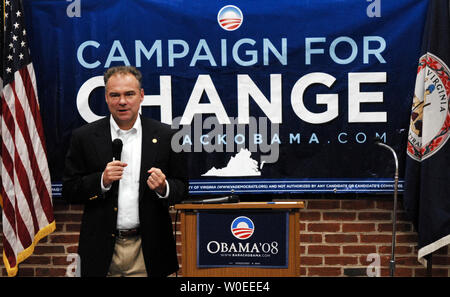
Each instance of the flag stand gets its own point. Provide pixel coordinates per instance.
(429, 258)
(394, 211)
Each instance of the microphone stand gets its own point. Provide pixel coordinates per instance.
(394, 211)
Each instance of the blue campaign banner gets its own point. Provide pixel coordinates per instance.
(243, 238)
(273, 93)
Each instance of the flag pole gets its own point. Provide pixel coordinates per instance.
(394, 211)
(429, 259)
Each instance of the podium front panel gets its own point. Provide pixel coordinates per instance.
(243, 238)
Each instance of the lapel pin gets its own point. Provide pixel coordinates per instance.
(155, 140)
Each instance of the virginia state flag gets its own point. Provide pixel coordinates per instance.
(427, 177)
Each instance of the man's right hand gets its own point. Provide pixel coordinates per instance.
(113, 172)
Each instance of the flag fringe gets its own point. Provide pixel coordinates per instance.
(430, 248)
(12, 271)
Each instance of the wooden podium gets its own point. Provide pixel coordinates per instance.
(189, 240)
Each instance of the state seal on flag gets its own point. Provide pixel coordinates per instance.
(429, 127)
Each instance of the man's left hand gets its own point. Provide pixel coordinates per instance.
(157, 181)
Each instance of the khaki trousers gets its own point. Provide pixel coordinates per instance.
(128, 260)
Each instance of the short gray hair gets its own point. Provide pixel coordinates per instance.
(123, 70)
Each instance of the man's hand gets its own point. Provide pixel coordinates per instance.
(157, 181)
(113, 172)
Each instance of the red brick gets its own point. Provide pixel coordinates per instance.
(64, 238)
(309, 216)
(62, 260)
(302, 249)
(357, 204)
(402, 227)
(435, 272)
(37, 260)
(374, 216)
(340, 238)
(310, 238)
(303, 271)
(398, 249)
(403, 238)
(324, 271)
(389, 204)
(51, 272)
(376, 238)
(359, 249)
(73, 227)
(441, 260)
(309, 261)
(302, 226)
(341, 260)
(408, 261)
(403, 272)
(324, 227)
(358, 227)
(72, 249)
(339, 216)
(48, 249)
(323, 249)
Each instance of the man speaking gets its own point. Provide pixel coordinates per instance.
(123, 169)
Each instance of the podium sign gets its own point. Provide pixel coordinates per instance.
(243, 239)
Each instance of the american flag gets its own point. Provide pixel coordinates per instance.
(25, 178)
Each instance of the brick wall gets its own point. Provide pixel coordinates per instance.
(338, 238)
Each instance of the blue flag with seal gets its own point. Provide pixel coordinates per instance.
(427, 177)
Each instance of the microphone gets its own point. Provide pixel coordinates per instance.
(225, 199)
(117, 149)
(377, 140)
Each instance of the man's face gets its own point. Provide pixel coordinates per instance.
(124, 98)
